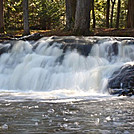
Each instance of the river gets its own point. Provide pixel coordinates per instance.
(60, 85)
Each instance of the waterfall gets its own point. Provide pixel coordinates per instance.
(72, 64)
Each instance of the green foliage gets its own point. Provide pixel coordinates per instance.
(43, 14)
(100, 13)
(13, 14)
(50, 14)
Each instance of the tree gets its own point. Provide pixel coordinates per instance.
(107, 14)
(1, 17)
(70, 13)
(112, 11)
(82, 17)
(93, 14)
(25, 17)
(130, 19)
(118, 14)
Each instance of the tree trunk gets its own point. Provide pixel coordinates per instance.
(25, 17)
(43, 18)
(118, 14)
(93, 13)
(70, 13)
(112, 11)
(82, 17)
(107, 14)
(130, 21)
(1, 17)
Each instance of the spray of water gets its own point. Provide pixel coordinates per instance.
(43, 66)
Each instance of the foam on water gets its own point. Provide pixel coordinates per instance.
(24, 69)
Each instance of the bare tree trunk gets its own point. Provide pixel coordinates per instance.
(25, 17)
(1, 17)
(118, 14)
(130, 21)
(43, 18)
(82, 17)
(93, 13)
(112, 11)
(107, 14)
(70, 13)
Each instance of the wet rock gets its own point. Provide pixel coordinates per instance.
(83, 49)
(5, 48)
(121, 92)
(126, 92)
(121, 80)
(35, 36)
(112, 50)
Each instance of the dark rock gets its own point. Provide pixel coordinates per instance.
(35, 36)
(83, 49)
(5, 48)
(122, 79)
(60, 59)
(112, 50)
(121, 92)
(126, 92)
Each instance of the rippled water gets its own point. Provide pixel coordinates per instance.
(58, 85)
(81, 115)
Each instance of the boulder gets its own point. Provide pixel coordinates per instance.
(122, 81)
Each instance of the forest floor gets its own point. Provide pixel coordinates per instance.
(95, 32)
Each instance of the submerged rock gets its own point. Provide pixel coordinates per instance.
(121, 92)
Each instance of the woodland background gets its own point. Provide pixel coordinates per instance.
(106, 17)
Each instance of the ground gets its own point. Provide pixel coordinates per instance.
(95, 32)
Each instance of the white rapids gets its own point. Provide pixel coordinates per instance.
(23, 69)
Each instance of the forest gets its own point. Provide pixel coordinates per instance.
(74, 17)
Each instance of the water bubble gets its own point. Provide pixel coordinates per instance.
(65, 119)
(97, 121)
(8, 104)
(114, 119)
(36, 106)
(108, 118)
(50, 121)
(4, 127)
(65, 125)
(46, 116)
(50, 111)
(76, 123)
(36, 123)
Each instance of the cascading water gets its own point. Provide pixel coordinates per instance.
(67, 66)
(60, 85)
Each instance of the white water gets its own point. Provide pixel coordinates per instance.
(28, 71)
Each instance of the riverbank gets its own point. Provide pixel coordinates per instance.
(95, 32)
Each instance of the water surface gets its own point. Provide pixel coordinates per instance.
(82, 115)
